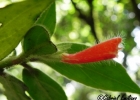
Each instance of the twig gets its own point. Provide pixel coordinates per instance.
(136, 10)
(88, 19)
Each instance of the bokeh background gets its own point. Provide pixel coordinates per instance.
(89, 22)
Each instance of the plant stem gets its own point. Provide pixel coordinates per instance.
(22, 59)
(12, 61)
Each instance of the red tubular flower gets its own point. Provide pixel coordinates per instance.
(102, 51)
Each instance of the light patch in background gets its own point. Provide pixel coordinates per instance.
(113, 17)
(118, 7)
(136, 35)
(73, 35)
(19, 49)
(82, 4)
(0, 24)
(138, 5)
(133, 62)
(3, 97)
(62, 8)
(104, 2)
(3, 3)
(17, 0)
(66, 1)
(2, 89)
(135, 51)
(120, 57)
(70, 89)
(65, 5)
(131, 15)
(85, 31)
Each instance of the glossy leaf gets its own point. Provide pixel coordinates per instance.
(106, 75)
(13, 88)
(48, 19)
(42, 87)
(37, 41)
(16, 20)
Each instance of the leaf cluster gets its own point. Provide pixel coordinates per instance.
(32, 23)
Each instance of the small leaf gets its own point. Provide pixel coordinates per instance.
(13, 88)
(48, 19)
(71, 47)
(37, 42)
(106, 75)
(42, 87)
(16, 20)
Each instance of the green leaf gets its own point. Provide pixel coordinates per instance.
(13, 88)
(106, 75)
(48, 19)
(37, 42)
(42, 87)
(16, 20)
(71, 47)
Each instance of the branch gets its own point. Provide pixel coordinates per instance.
(125, 59)
(136, 10)
(91, 20)
(88, 19)
(81, 15)
(8, 62)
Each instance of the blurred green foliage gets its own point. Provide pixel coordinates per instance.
(85, 21)
(110, 17)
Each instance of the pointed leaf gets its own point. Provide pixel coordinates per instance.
(48, 19)
(37, 41)
(13, 88)
(42, 87)
(16, 20)
(106, 75)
